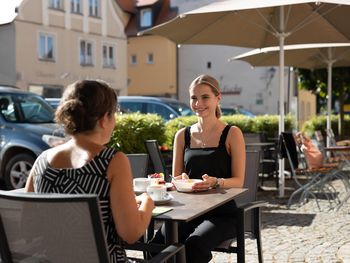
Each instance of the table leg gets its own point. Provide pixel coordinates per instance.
(172, 236)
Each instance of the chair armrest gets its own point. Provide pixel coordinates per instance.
(167, 253)
(252, 205)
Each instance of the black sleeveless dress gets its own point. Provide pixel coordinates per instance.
(89, 179)
(214, 161)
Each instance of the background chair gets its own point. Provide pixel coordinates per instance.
(315, 182)
(249, 212)
(55, 228)
(139, 164)
(268, 156)
(156, 158)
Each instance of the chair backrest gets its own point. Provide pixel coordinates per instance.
(251, 183)
(156, 158)
(288, 149)
(139, 164)
(331, 137)
(51, 228)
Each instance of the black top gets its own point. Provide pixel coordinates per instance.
(214, 161)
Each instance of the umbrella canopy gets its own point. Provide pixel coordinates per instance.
(310, 56)
(257, 24)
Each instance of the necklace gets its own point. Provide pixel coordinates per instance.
(208, 137)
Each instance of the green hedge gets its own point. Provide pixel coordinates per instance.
(133, 129)
(319, 123)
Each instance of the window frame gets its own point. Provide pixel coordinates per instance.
(108, 61)
(143, 22)
(43, 54)
(94, 8)
(84, 57)
(56, 4)
(75, 7)
(150, 58)
(132, 60)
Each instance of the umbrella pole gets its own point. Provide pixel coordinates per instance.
(329, 92)
(281, 37)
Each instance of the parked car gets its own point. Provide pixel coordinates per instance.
(236, 110)
(54, 102)
(165, 107)
(27, 128)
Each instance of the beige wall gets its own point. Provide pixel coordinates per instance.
(158, 78)
(306, 106)
(68, 30)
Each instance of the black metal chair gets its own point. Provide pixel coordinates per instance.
(249, 212)
(139, 164)
(56, 228)
(314, 182)
(268, 156)
(156, 158)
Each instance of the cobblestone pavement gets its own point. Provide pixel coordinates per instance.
(299, 234)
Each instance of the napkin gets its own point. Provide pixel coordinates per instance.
(158, 210)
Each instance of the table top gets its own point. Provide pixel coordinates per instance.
(337, 148)
(188, 206)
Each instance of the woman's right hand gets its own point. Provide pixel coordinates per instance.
(182, 176)
(145, 200)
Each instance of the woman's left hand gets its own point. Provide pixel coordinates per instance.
(205, 185)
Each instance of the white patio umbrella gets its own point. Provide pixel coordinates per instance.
(310, 56)
(261, 23)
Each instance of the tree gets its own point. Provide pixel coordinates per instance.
(316, 81)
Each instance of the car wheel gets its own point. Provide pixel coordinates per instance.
(17, 170)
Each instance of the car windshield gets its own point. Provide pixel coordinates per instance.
(181, 108)
(25, 108)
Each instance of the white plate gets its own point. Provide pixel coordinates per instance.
(168, 197)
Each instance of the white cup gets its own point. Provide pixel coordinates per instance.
(157, 192)
(140, 184)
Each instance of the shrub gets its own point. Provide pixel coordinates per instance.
(133, 129)
(319, 123)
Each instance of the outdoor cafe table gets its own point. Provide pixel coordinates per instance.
(188, 206)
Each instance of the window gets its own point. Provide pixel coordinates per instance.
(55, 4)
(46, 46)
(133, 60)
(150, 58)
(93, 8)
(75, 6)
(108, 54)
(86, 53)
(146, 17)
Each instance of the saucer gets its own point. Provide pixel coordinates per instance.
(139, 191)
(167, 198)
(169, 185)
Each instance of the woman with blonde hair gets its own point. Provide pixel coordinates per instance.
(215, 152)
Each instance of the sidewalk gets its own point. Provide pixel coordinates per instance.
(299, 234)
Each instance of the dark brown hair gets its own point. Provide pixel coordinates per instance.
(83, 104)
(214, 86)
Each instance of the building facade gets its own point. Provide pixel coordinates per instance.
(52, 43)
(152, 60)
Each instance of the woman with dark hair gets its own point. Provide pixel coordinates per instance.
(85, 165)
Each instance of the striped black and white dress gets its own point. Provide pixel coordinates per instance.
(89, 179)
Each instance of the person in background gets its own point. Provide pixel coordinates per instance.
(215, 152)
(85, 165)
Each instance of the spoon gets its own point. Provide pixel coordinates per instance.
(172, 177)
